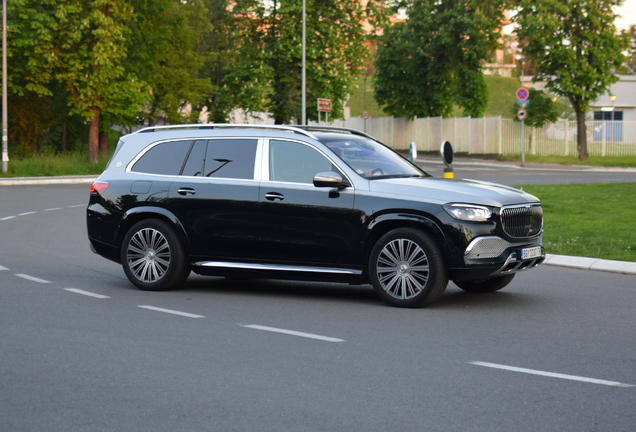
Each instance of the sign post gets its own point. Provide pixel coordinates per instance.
(324, 105)
(522, 95)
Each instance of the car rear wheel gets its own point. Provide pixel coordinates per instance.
(152, 256)
(407, 268)
(486, 285)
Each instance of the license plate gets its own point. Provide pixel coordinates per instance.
(530, 253)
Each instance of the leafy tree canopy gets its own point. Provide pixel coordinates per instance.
(434, 58)
(576, 49)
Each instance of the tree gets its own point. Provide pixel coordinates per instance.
(576, 48)
(434, 58)
(169, 54)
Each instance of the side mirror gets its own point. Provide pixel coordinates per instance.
(329, 179)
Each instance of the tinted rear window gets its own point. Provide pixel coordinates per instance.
(164, 159)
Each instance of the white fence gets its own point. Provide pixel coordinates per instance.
(485, 135)
(494, 135)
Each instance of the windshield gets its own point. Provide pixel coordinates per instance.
(372, 160)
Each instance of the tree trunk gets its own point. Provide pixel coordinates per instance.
(581, 134)
(103, 142)
(64, 138)
(93, 137)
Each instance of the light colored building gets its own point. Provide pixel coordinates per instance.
(622, 108)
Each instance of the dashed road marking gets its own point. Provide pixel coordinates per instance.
(31, 278)
(7, 218)
(51, 209)
(3, 268)
(292, 333)
(551, 374)
(77, 205)
(169, 311)
(86, 293)
(27, 213)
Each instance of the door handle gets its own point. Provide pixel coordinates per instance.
(186, 191)
(273, 196)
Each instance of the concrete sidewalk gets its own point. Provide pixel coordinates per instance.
(624, 267)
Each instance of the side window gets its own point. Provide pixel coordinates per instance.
(230, 158)
(294, 162)
(165, 158)
(194, 165)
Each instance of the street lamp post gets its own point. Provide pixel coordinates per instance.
(364, 100)
(5, 138)
(304, 69)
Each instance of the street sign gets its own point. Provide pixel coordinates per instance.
(324, 105)
(523, 102)
(521, 114)
(365, 115)
(522, 94)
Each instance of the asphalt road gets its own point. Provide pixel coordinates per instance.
(82, 350)
(532, 174)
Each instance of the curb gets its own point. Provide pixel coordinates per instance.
(531, 166)
(47, 180)
(598, 264)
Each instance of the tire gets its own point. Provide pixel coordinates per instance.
(486, 285)
(152, 256)
(407, 268)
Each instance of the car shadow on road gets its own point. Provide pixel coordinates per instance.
(342, 292)
(453, 298)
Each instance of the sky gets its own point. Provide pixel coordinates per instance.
(628, 15)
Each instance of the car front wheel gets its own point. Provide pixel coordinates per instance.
(152, 256)
(487, 285)
(407, 268)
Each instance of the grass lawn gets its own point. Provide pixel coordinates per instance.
(73, 163)
(589, 220)
(603, 161)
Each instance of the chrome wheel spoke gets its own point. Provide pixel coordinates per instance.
(148, 255)
(402, 269)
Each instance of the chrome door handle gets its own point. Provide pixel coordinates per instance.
(186, 191)
(273, 196)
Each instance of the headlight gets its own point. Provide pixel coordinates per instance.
(468, 212)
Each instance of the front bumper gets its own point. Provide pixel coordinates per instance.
(491, 256)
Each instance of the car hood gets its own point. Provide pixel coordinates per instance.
(445, 191)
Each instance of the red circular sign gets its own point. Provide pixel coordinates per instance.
(365, 115)
(522, 94)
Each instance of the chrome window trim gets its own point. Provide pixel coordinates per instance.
(259, 145)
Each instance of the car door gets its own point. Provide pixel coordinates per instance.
(302, 223)
(216, 199)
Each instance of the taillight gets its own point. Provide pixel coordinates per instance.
(99, 188)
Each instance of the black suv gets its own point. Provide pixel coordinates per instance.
(304, 203)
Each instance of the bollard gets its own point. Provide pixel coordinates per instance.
(413, 152)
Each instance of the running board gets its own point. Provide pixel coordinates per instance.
(273, 267)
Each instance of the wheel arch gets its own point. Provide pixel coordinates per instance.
(390, 221)
(136, 214)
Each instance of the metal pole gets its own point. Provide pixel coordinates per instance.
(523, 143)
(5, 138)
(304, 61)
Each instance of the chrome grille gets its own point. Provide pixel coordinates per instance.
(522, 220)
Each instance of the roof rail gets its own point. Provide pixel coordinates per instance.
(336, 129)
(226, 125)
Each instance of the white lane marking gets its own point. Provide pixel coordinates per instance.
(7, 218)
(86, 293)
(51, 209)
(27, 213)
(552, 374)
(173, 312)
(78, 205)
(31, 278)
(3, 268)
(292, 332)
